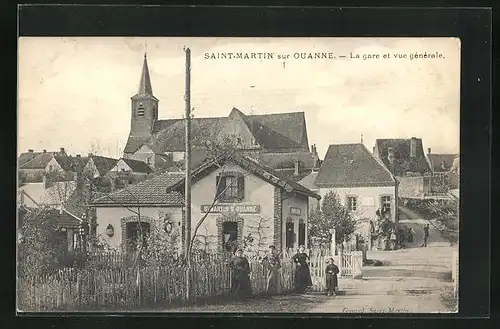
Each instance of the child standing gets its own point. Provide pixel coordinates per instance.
(331, 277)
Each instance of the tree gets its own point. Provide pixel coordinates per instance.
(161, 242)
(40, 246)
(332, 215)
(257, 241)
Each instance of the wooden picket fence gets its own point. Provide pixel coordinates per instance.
(123, 288)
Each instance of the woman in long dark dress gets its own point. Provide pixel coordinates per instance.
(302, 274)
(240, 275)
(273, 263)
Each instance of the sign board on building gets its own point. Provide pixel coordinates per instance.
(295, 211)
(241, 209)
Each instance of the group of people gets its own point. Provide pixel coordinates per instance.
(241, 286)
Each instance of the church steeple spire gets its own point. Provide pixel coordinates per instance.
(145, 84)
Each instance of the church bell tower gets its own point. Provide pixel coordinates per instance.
(144, 106)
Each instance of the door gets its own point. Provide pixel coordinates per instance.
(290, 235)
(134, 237)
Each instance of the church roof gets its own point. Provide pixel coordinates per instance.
(145, 87)
(271, 131)
(352, 165)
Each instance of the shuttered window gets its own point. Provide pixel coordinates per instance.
(230, 187)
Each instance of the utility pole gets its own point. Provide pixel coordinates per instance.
(187, 163)
(187, 97)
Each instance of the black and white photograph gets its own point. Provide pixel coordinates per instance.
(238, 175)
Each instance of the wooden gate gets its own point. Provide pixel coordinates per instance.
(318, 262)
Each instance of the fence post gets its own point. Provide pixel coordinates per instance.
(139, 287)
(454, 272)
(357, 261)
(341, 263)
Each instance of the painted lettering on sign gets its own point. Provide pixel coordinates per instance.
(241, 209)
(295, 211)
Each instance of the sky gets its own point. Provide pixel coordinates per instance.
(75, 92)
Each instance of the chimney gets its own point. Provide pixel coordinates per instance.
(78, 156)
(62, 150)
(374, 150)
(30, 151)
(90, 154)
(44, 151)
(296, 172)
(413, 147)
(429, 150)
(361, 138)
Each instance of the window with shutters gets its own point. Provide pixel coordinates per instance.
(230, 187)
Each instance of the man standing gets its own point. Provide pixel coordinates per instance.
(426, 234)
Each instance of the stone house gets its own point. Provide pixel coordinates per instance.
(254, 201)
(32, 164)
(403, 157)
(362, 182)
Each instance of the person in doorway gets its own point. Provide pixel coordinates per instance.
(273, 264)
(331, 277)
(426, 235)
(302, 274)
(240, 275)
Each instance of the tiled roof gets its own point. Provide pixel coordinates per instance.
(39, 162)
(162, 124)
(138, 166)
(290, 174)
(134, 143)
(352, 165)
(287, 160)
(64, 219)
(26, 156)
(271, 131)
(291, 125)
(403, 162)
(172, 138)
(103, 164)
(70, 163)
(438, 159)
(148, 192)
(309, 181)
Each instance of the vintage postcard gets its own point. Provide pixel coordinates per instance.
(270, 175)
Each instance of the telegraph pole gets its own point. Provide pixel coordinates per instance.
(187, 97)
(187, 213)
